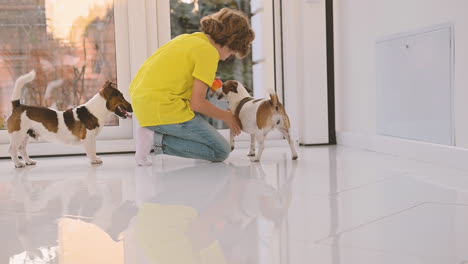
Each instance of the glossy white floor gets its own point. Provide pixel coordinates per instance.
(334, 205)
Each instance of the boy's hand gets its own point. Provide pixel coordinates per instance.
(201, 105)
(234, 123)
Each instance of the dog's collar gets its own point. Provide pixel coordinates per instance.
(241, 104)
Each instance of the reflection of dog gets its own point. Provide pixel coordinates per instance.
(257, 116)
(81, 124)
(86, 200)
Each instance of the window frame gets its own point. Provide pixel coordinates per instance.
(112, 138)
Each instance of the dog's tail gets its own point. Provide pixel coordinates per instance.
(51, 86)
(274, 99)
(19, 84)
(280, 117)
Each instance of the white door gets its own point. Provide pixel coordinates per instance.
(74, 47)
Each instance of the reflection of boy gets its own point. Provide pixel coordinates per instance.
(170, 89)
(210, 218)
(164, 222)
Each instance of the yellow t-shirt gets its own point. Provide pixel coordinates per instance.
(162, 88)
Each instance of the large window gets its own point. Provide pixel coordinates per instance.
(74, 49)
(75, 46)
(185, 18)
(70, 44)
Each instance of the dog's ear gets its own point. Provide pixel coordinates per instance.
(105, 91)
(110, 84)
(230, 86)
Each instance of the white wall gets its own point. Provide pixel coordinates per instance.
(305, 69)
(262, 48)
(358, 24)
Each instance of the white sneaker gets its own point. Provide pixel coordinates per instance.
(144, 145)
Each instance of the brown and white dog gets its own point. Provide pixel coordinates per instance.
(257, 116)
(77, 125)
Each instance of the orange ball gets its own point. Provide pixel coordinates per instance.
(217, 84)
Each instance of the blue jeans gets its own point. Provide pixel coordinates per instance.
(195, 139)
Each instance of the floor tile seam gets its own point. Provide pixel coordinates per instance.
(440, 187)
(320, 241)
(404, 253)
(335, 195)
(337, 246)
(445, 203)
(425, 162)
(386, 179)
(450, 174)
(439, 165)
(426, 201)
(364, 185)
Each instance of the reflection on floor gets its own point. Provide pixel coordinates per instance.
(334, 205)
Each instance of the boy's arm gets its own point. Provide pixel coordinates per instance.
(201, 105)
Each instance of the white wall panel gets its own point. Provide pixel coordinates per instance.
(359, 24)
(414, 87)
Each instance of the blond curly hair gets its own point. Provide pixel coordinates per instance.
(231, 28)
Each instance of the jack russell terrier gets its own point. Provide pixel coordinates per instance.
(77, 125)
(257, 116)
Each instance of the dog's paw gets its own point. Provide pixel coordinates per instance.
(20, 165)
(294, 157)
(254, 159)
(251, 154)
(31, 162)
(96, 161)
